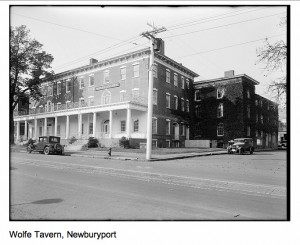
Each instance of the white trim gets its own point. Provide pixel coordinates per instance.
(121, 67)
(92, 74)
(136, 63)
(136, 89)
(92, 96)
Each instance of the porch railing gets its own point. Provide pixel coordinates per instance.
(74, 105)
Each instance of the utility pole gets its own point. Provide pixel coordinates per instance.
(151, 36)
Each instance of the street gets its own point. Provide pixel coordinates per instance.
(221, 187)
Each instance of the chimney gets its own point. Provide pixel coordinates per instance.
(229, 73)
(93, 61)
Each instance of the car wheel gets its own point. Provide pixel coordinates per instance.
(46, 150)
(29, 150)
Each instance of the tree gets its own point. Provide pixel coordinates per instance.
(29, 66)
(274, 56)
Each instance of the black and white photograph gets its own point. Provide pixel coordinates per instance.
(148, 115)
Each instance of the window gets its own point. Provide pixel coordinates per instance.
(136, 126)
(123, 126)
(248, 111)
(106, 97)
(91, 100)
(135, 93)
(81, 83)
(220, 129)
(154, 96)
(168, 100)
(257, 117)
(154, 125)
(175, 80)
(106, 127)
(182, 129)
(197, 95)
(261, 118)
(154, 143)
(168, 143)
(168, 126)
(68, 85)
(168, 79)
(68, 104)
(91, 80)
(187, 84)
(176, 102)
(182, 104)
(197, 111)
(256, 102)
(123, 73)
(187, 106)
(50, 90)
(122, 95)
(248, 93)
(106, 77)
(220, 93)
(90, 128)
(81, 102)
(182, 82)
(248, 131)
(220, 110)
(58, 88)
(261, 103)
(256, 134)
(154, 70)
(136, 68)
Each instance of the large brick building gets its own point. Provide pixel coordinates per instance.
(228, 108)
(108, 100)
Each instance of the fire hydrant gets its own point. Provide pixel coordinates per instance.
(109, 151)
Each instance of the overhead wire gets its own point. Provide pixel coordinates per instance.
(230, 46)
(211, 18)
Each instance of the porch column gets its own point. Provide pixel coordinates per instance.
(35, 128)
(94, 123)
(79, 125)
(18, 131)
(128, 123)
(25, 131)
(110, 123)
(67, 126)
(45, 127)
(55, 126)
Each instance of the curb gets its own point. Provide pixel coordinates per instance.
(151, 160)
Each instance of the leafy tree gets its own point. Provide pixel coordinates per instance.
(29, 66)
(274, 56)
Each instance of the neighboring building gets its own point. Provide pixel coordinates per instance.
(228, 108)
(282, 132)
(108, 100)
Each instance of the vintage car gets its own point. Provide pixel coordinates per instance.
(282, 145)
(47, 145)
(242, 145)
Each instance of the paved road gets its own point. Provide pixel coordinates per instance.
(224, 187)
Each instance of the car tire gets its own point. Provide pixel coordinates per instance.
(46, 150)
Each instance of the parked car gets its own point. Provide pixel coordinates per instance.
(242, 145)
(47, 145)
(229, 147)
(282, 145)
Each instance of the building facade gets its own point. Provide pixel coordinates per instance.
(227, 108)
(107, 100)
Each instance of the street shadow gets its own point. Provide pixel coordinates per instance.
(43, 201)
(48, 201)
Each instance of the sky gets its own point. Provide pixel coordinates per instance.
(209, 40)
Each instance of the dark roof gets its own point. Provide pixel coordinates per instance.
(221, 79)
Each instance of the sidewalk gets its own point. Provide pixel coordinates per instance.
(138, 155)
